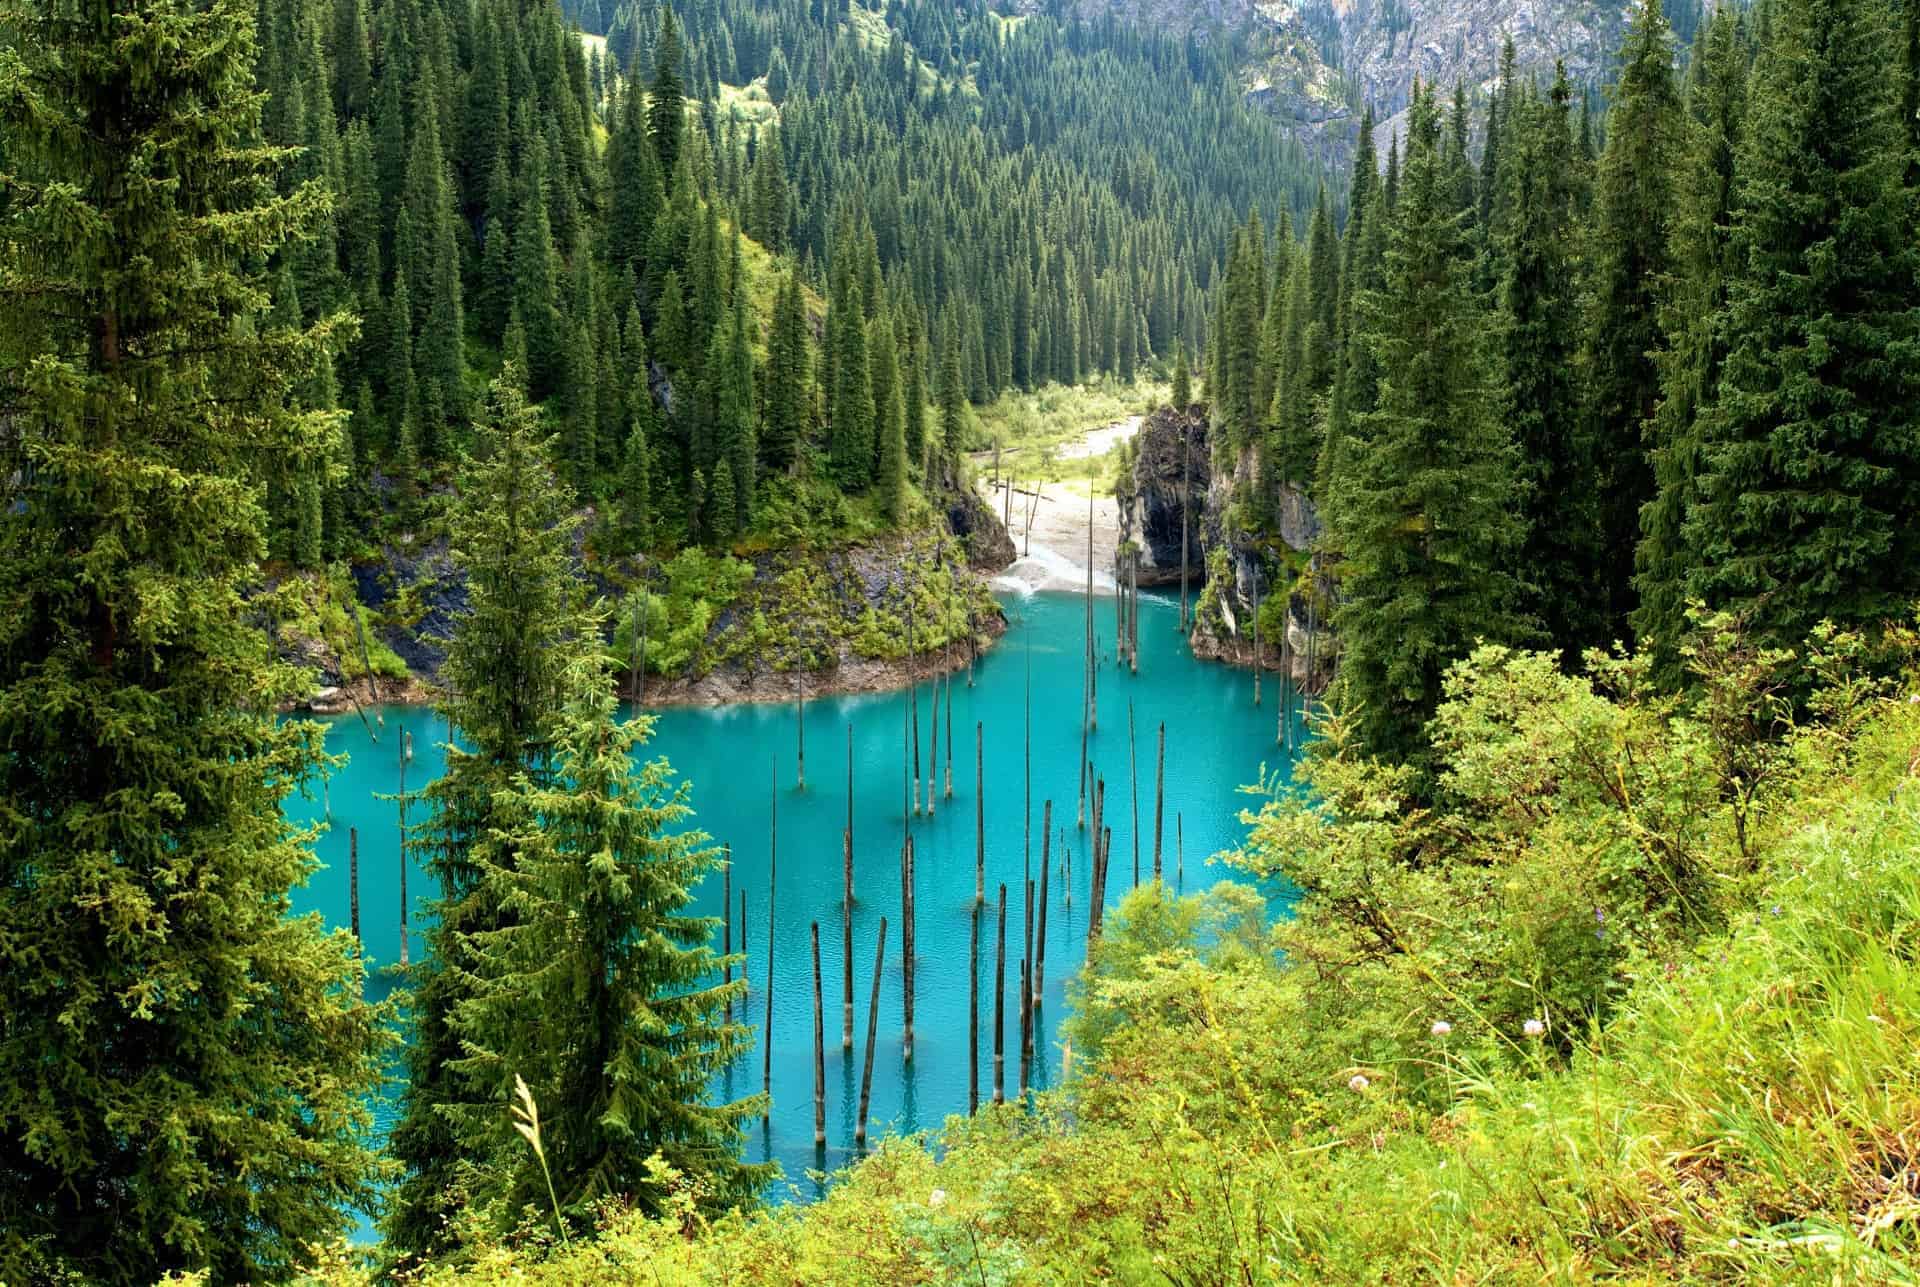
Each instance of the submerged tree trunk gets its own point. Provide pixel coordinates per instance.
(873, 1032)
(819, 1051)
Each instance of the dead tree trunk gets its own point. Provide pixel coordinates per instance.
(979, 816)
(906, 948)
(1133, 792)
(873, 1032)
(726, 929)
(846, 940)
(353, 880)
(773, 868)
(1040, 934)
(973, 1012)
(1000, 1005)
(819, 1051)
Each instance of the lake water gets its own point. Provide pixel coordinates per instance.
(741, 763)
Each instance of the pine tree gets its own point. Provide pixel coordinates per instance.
(603, 993)
(1424, 510)
(187, 1066)
(1182, 381)
(666, 105)
(786, 397)
(1538, 338)
(511, 533)
(1694, 353)
(1629, 240)
(1809, 482)
(889, 428)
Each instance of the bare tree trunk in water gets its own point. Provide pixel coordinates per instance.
(819, 1051)
(873, 1032)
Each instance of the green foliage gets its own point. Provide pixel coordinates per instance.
(326, 607)
(597, 986)
(1809, 456)
(504, 678)
(187, 1065)
(1425, 507)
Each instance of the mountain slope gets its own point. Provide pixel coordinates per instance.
(1319, 63)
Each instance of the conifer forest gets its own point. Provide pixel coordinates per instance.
(510, 506)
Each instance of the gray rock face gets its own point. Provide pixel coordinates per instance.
(1165, 475)
(989, 547)
(1310, 62)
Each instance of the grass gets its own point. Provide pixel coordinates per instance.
(1034, 428)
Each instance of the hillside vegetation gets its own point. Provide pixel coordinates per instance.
(1637, 999)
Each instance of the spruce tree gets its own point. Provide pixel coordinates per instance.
(734, 432)
(1809, 483)
(1424, 508)
(1182, 397)
(666, 99)
(1694, 353)
(636, 489)
(603, 994)
(913, 396)
(851, 441)
(890, 465)
(953, 397)
(511, 533)
(1538, 340)
(1629, 242)
(187, 1065)
(786, 396)
(721, 523)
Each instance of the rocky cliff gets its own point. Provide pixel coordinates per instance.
(1250, 539)
(1317, 63)
(1170, 466)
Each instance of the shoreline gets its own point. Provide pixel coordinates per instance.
(724, 686)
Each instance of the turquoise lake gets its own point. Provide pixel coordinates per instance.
(740, 761)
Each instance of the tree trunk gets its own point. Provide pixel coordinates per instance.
(819, 1051)
(873, 1031)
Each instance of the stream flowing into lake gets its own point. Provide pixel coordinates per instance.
(740, 761)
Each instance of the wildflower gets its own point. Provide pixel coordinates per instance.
(1440, 1028)
(1533, 1028)
(937, 1198)
(1357, 1083)
(1776, 909)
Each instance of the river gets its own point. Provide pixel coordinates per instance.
(741, 764)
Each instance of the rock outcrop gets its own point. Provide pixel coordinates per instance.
(414, 595)
(1245, 567)
(1171, 477)
(981, 533)
(1316, 63)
